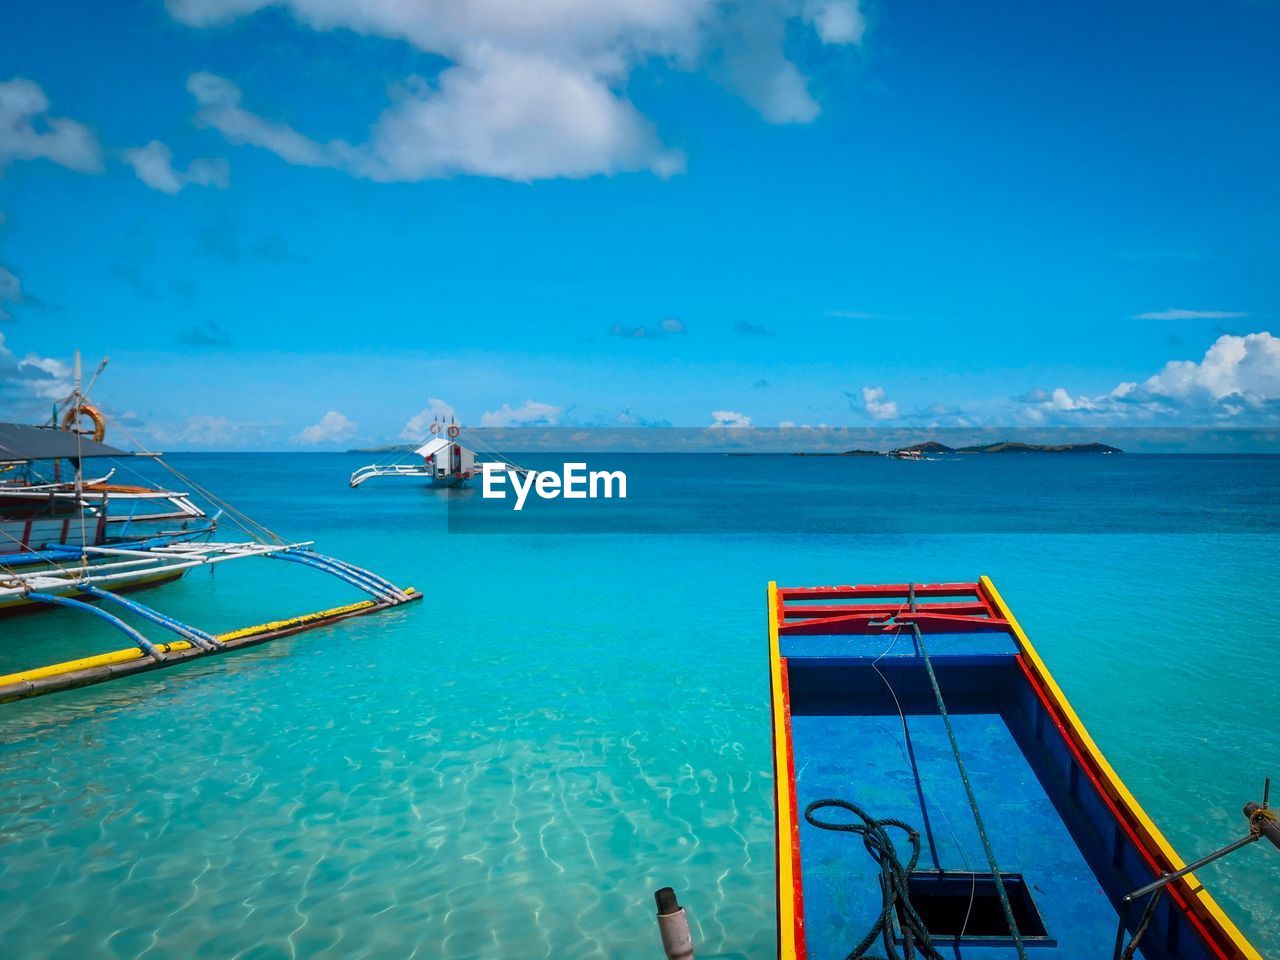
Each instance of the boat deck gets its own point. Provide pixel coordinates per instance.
(856, 719)
(849, 743)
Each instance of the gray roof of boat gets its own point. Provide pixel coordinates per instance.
(19, 441)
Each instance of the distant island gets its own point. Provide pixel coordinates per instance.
(927, 447)
(1005, 446)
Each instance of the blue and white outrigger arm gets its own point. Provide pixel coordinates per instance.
(77, 581)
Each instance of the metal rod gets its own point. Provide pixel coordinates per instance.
(1168, 878)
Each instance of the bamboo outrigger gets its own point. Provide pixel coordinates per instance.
(63, 546)
(995, 826)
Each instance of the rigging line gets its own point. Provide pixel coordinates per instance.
(973, 800)
(187, 480)
(909, 754)
(241, 519)
(79, 488)
(485, 448)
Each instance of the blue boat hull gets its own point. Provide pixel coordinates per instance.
(856, 720)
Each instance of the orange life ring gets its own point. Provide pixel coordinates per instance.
(454, 430)
(95, 416)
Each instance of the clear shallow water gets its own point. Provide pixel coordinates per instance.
(566, 723)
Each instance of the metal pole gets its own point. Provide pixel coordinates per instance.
(1168, 878)
(673, 924)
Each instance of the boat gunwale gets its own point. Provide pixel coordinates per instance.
(1219, 934)
(1198, 904)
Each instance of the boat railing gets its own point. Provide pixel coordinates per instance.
(389, 470)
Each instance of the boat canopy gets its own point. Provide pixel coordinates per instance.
(432, 447)
(20, 442)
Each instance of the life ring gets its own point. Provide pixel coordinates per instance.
(95, 416)
(435, 429)
(454, 430)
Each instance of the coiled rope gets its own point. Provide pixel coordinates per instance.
(894, 876)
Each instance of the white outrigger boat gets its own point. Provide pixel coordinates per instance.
(45, 517)
(81, 544)
(442, 461)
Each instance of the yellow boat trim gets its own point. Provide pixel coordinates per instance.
(273, 625)
(134, 653)
(782, 791)
(1119, 791)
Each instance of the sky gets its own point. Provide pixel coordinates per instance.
(313, 224)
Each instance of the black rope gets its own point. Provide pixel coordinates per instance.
(1005, 906)
(893, 882)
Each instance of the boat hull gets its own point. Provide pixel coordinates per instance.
(856, 719)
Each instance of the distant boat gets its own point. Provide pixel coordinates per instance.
(442, 461)
(905, 454)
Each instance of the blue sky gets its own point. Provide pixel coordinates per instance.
(299, 223)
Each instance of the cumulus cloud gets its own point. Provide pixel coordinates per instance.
(153, 164)
(530, 414)
(509, 116)
(748, 329)
(333, 427)
(416, 427)
(533, 89)
(666, 327)
(29, 132)
(1173, 314)
(837, 21)
(1238, 376)
(729, 419)
(875, 404)
(33, 376)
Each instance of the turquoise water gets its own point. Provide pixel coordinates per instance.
(568, 722)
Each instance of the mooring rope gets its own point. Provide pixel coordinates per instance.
(973, 800)
(894, 878)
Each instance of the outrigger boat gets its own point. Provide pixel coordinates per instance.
(442, 461)
(937, 796)
(47, 518)
(66, 546)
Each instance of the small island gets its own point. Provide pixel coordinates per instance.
(1007, 446)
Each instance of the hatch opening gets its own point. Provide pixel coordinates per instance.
(954, 902)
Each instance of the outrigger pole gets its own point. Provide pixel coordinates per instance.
(137, 567)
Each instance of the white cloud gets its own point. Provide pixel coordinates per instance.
(1245, 368)
(876, 406)
(10, 292)
(1238, 375)
(28, 132)
(1173, 314)
(667, 326)
(153, 164)
(504, 115)
(333, 427)
(533, 89)
(416, 427)
(207, 431)
(530, 414)
(837, 21)
(729, 419)
(32, 376)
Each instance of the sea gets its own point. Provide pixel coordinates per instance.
(578, 711)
